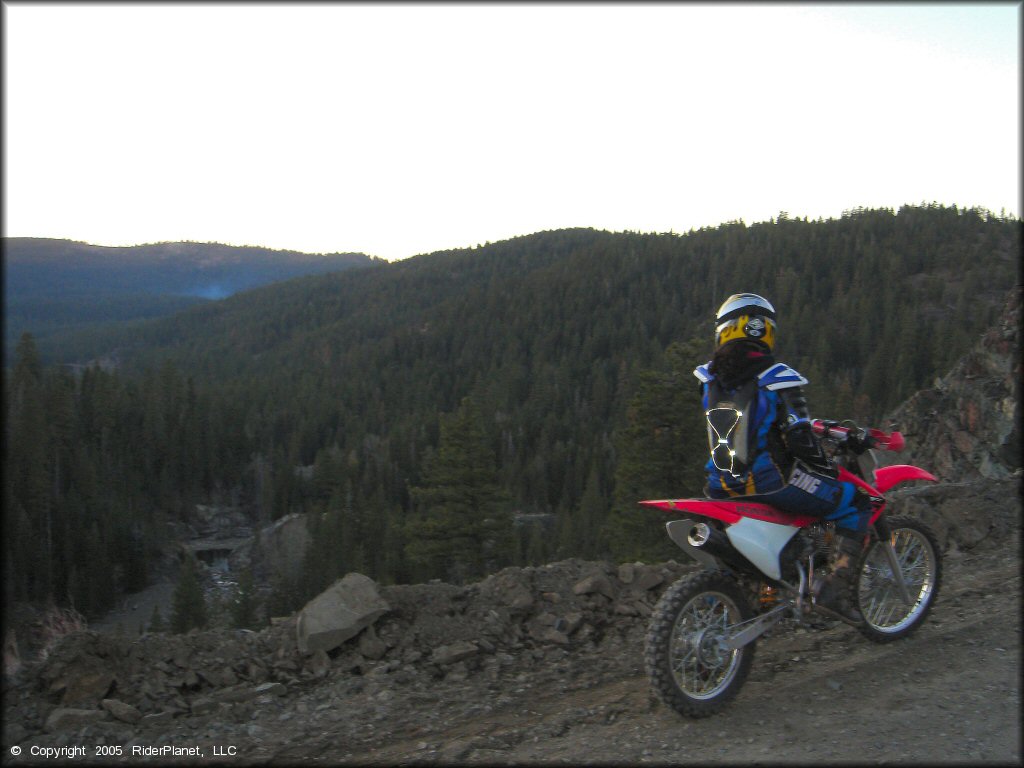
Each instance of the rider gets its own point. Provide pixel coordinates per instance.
(762, 445)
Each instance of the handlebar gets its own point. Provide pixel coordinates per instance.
(875, 438)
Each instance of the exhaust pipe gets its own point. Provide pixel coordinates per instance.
(712, 541)
(703, 536)
(705, 544)
(699, 535)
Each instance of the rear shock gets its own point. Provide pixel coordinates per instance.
(768, 597)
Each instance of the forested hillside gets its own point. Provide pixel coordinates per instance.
(56, 284)
(516, 398)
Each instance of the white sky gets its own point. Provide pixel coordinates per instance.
(398, 129)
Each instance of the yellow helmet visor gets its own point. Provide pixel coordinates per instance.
(749, 327)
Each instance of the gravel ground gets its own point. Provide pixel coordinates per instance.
(949, 693)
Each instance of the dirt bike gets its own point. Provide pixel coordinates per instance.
(763, 565)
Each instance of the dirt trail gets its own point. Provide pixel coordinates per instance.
(948, 693)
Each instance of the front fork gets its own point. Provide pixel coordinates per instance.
(884, 534)
(748, 631)
(806, 591)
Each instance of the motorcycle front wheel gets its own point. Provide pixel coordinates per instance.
(886, 615)
(687, 657)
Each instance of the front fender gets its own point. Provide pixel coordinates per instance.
(887, 477)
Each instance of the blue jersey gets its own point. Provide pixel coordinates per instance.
(747, 456)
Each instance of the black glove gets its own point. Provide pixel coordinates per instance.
(803, 444)
(858, 442)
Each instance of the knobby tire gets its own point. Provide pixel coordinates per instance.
(683, 607)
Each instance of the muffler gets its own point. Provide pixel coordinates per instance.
(714, 542)
(699, 535)
(705, 544)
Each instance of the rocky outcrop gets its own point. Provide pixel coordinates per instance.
(220, 522)
(517, 620)
(278, 550)
(967, 426)
(962, 514)
(339, 613)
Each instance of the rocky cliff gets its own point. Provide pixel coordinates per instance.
(967, 426)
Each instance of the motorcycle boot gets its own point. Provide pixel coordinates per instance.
(837, 595)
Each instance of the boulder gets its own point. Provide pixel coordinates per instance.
(69, 718)
(319, 664)
(626, 609)
(180, 657)
(126, 713)
(597, 583)
(371, 646)
(647, 579)
(626, 572)
(508, 590)
(271, 689)
(569, 623)
(280, 548)
(211, 677)
(228, 676)
(339, 613)
(201, 705)
(87, 688)
(450, 654)
(157, 719)
(234, 694)
(551, 635)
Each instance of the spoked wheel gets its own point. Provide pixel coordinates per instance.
(687, 656)
(887, 616)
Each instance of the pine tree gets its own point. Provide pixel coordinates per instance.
(590, 516)
(189, 603)
(27, 470)
(537, 546)
(463, 527)
(662, 451)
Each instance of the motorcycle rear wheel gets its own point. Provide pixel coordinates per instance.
(886, 616)
(687, 661)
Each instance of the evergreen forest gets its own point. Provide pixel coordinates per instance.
(457, 412)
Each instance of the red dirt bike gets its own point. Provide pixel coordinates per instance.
(762, 565)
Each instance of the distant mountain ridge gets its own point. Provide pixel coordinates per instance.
(46, 267)
(54, 284)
